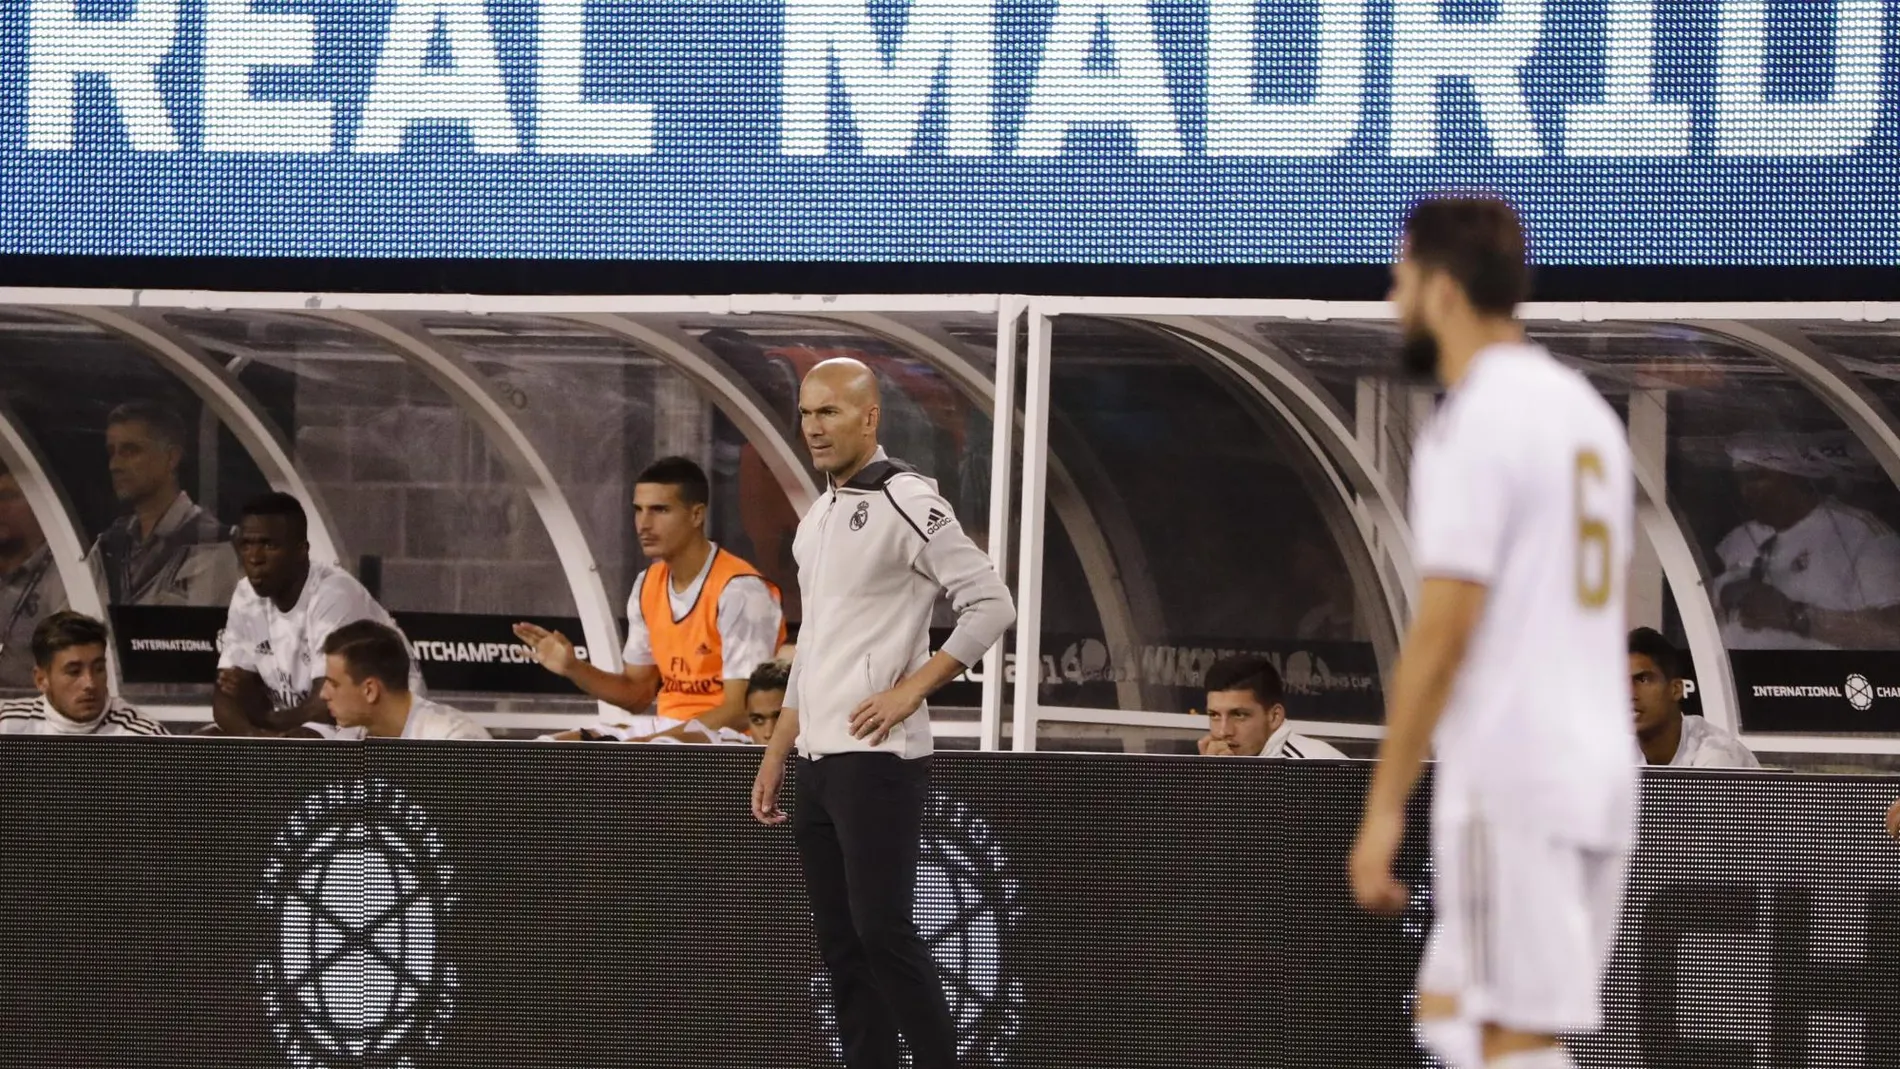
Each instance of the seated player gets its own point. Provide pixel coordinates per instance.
(764, 697)
(1246, 714)
(1665, 734)
(366, 686)
(698, 622)
(271, 663)
(69, 668)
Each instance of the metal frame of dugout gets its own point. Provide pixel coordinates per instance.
(1356, 453)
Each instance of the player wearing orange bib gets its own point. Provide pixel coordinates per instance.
(699, 621)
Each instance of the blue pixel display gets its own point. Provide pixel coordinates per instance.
(1717, 132)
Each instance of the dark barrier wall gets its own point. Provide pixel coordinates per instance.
(241, 903)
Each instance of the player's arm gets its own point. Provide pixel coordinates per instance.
(771, 774)
(1874, 563)
(1760, 606)
(1449, 612)
(1462, 491)
(240, 703)
(632, 689)
(312, 708)
(730, 712)
(1448, 615)
(978, 596)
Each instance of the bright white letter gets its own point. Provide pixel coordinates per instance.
(1427, 50)
(239, 40)
(1132, 91)
(887, 97)
(1747, 123)
(1237, 125)
(564, 123)
(1629, 121)
(406, 90)
(60, 46)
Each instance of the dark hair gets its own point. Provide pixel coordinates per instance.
(62, 631)
(277, 503)
(1649, 642)
(682, 473)
(1247, 673)
(166, 424)
(371, 651)
(1479, 242)
(770, 676)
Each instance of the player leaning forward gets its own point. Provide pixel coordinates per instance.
(874, 555)
(1514, 668)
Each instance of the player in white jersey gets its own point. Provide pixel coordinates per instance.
(1514, 667)
(1657, 688)
(1246, 714)
(69, 668)
(366, 686)
(270, 660)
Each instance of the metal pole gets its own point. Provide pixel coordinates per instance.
(1002, 450)
(1029, 558)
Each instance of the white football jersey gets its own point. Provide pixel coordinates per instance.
(1835, 557)
(427, 720)
(1522, 482)
(286, 648)
(36, 716)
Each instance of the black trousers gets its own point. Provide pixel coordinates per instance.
(858, 821)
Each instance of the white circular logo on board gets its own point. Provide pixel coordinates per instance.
(1860, 693)
(358, 893)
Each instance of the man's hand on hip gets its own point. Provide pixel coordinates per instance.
(875, 716)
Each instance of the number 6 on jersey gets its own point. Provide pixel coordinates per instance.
(1596, 556)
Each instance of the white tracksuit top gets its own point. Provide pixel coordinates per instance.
(873, 557)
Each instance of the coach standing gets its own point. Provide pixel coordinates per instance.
(874, 554)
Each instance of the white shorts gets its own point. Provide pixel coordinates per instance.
(1524, 926)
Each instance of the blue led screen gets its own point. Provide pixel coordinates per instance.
(1719, 132)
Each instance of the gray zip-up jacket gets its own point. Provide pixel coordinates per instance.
(873, 556)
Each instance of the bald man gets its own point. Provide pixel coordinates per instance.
(874, 555)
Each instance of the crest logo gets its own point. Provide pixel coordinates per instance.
(861, 516)
(1860, 693)
(358, 892)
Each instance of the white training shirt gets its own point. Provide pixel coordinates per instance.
(1284, 743)
(286, 648)
(748, 621)
(427, 720)
(1704, 745)
(1522, 482)
(36, 716)
(1835, 558)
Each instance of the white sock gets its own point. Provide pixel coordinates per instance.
(1548, 1058)
(1453, 1040)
